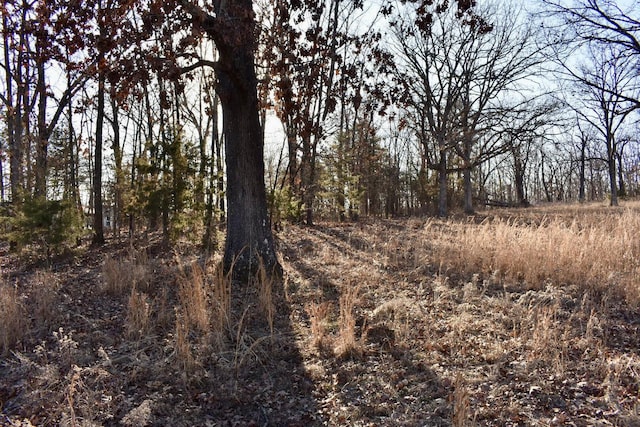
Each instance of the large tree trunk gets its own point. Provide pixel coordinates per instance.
(249, 240)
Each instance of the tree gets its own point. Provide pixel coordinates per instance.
(499, 61)
(432, 75)
(249, 239)
(601, 104)
(599, 23)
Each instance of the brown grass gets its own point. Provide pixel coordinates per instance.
(192, 317)
(13, 323)
(601, 252)
(347, 344)
(220, 306)
(138, 314)
(264, 283)
(122, 274)
(44, 298)
(182, 346)
(519, 317)
(318, 313)
(460, 403)
(193, 299)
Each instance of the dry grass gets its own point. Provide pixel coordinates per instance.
(600, 252)
(347, 344)
(44, 298)
(182, 346)
(264, 283)
(138, 314)
(193, 299)
(486, 321)
(220, 306)
(192, 317)
(122, 274)
(460, 403)
(13, 321)
(318, 314)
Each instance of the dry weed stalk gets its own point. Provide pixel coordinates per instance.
(163, 313)
(460, 403)
(221, 306)
(13, 323)
(182, 347)
(347, 343)
(74, 382)
(318, 313)
(44, 298)
(265, 294)
(193, 299)
(245, 346)
(113, 276)
(137, 314)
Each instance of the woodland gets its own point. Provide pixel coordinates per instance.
(319, 212)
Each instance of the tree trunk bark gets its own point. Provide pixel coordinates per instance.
(98, 226)
(581, 191)
(612, 178)
(249, 241)
(442, 185)
(468, 191)
(119, 172)
(43, 139)
(622, 191)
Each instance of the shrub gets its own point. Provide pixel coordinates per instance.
(50, 224)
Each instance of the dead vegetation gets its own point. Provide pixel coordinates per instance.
(523, 317)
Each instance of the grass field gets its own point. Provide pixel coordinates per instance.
(524, 317)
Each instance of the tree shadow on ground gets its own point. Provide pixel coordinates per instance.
(96, 369)
(386, 381)
(262, 380)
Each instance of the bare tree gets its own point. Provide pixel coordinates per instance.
(459, 83)
(599, 102)
(500, 61)
(599, 24)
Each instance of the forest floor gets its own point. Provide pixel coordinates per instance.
(507, 318)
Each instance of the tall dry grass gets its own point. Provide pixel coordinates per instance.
(318, 314)
(193, 299)
(220, 306)
(122, 274)
(348, 344)
(138, 314)
(13, 323)
(265, 284)
(43, 299)
(600, 252)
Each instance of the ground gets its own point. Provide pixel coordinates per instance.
(506, 318)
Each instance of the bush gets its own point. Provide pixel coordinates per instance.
(49, 224)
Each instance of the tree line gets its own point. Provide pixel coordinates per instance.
(146, 114)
